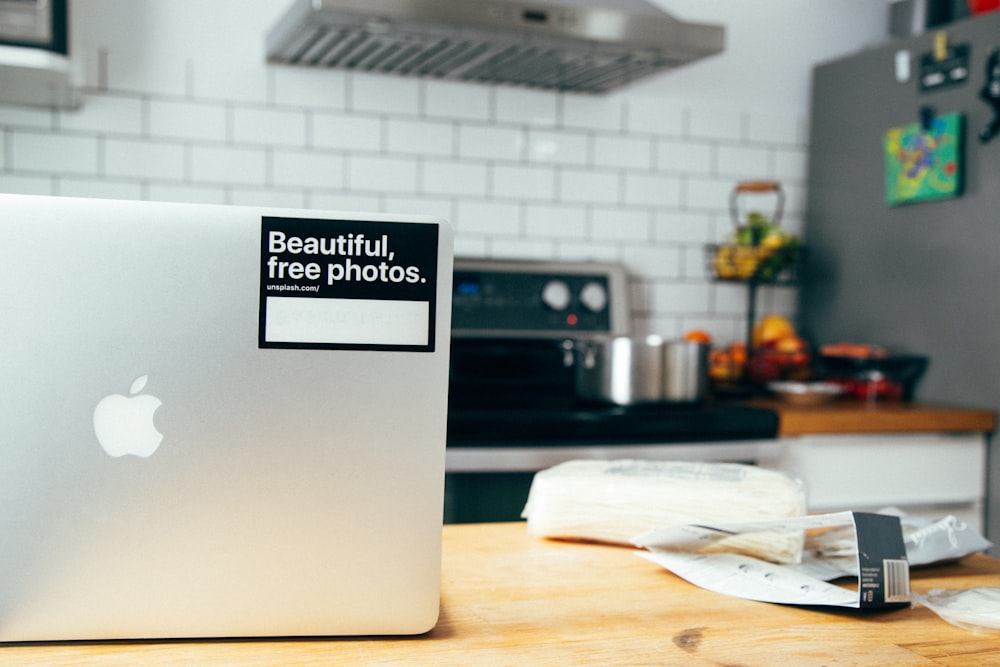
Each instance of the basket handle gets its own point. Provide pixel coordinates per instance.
(757, 187)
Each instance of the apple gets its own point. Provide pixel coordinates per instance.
(124, 424)
(763, 368)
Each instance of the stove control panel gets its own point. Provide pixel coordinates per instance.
(493, 298)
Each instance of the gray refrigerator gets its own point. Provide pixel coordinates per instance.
(905, 251)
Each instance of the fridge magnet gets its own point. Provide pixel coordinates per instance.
(923, 160)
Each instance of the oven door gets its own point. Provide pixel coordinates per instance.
(492, 456)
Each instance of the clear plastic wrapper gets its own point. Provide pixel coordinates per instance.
(975, 609)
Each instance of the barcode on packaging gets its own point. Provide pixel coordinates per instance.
(897, 580)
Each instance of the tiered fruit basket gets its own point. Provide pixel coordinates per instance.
(758, 252)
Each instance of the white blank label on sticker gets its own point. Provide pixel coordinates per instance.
(346, 321)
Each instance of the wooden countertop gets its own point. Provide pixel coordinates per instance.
(510, 599)
(845, 416)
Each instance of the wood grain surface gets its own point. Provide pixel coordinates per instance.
(847, 416)
(510, 599)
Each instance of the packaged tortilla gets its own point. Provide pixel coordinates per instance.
(613, 501)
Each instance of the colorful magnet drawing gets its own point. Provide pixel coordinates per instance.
(923, 161)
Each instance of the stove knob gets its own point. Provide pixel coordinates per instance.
(594, 296)
(556, 295)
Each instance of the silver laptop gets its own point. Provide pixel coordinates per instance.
(219, 421)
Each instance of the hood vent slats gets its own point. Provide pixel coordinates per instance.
(579, 48)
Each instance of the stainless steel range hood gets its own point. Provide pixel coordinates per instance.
(571, 45)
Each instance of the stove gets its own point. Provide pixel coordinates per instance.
(513, 408)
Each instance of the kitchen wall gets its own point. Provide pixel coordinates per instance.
(179, 105)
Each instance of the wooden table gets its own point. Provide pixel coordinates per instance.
(509, 599)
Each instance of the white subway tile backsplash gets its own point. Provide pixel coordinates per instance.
(652, 261)
(274, 198)
(593, 113)
(382, 174)
(694, 263)
(142, 73)
(687, 298)
(26, 185)
(487, 218)
(100, 188)
(550, 221)
(104, 114)
(776, 129)
(442, 177)
(678, 156)
(53, 153)
(673, 226)
(179, 119)
(135, 159)
(582, 250)
(218, 80)
(529, 107)
(616, 224)
(450, 99)
(491, 143)
(309, 169)
(623, 152)
(346, 132)
(730, 298)
(707, 193)
(420, 137)
(227, 164)
(275, 127)
(301, 86)
(378, 93)
(790, 166)
(525, 183)
(471, 246)
(504, 248)
(346, 201)
(441, 207)
(715, 123)
(652, 189)
(26, 117)
(743, 162)
(652, 115)
(570, 148)
(196, 194)
(585, 186)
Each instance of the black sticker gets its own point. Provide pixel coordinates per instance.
(347, 284)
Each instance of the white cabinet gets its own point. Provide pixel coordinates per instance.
(925, 474)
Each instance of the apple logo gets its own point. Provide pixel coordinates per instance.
(124, 424)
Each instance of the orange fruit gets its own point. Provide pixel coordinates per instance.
(738, 353)
(771, 329)
(698, 336)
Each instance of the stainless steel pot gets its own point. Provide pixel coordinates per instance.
(628, 371)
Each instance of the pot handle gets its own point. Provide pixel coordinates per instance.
(584, 348)
(568, 346)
